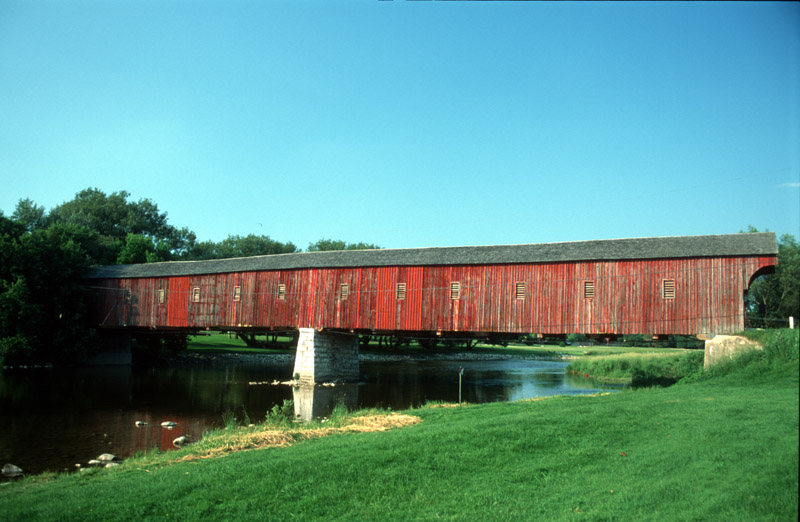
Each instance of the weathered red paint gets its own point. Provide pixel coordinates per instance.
(709, 298)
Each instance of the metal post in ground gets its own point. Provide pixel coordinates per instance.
(460, 373)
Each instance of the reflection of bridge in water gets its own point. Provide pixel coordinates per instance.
(654, 286)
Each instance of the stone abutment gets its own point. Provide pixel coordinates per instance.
(324, 356)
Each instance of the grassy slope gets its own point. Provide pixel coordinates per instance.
(718, 449)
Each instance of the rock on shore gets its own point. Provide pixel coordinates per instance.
(10, 470)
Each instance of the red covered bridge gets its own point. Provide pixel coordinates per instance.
(670, 285)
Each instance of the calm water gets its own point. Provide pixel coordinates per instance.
(52, 419)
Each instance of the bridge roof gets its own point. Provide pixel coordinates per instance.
(756, 244)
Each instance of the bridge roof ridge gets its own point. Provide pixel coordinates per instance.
(745, 244)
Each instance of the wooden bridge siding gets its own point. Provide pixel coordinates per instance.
(388, 309)
(392, 313)
(408, 312)
(113, 307)
(708, 298)
(438, 311)
(177, 297)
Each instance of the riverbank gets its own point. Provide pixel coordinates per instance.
(722, 447)
(640, 369)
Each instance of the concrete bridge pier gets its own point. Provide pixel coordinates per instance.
(324, 356)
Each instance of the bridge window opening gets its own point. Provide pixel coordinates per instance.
(668, 289)
(519, 290)
(161, 295)
(237, 293)
(128, 294)
(281, 291)
(401, 291)
(588, 290)
(196, 294)
(455, 290)
(344, 291)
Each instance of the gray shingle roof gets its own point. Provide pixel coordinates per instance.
(611, 249)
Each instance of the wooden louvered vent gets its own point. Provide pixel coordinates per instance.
(196, 294)
(519, 290)
(237, 293)
(588, 290)
(281, 291)
(455, 290)
(401, 291)
(344, 291)
(668, 289)
(161, 295)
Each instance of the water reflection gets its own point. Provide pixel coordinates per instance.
(406, 384)
(53, 419)
(316, 402)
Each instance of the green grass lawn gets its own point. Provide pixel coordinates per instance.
(721, 447)
(223, 342)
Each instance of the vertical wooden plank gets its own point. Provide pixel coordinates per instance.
(412, 307)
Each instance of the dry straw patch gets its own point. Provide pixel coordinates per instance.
(548, 397)
(231, 441)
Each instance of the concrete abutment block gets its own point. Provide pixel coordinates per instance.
(324, 356)
(725, 347)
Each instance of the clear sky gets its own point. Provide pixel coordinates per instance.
(409, 124)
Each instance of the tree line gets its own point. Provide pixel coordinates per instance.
(124, 231)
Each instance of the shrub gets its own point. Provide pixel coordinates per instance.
(641, 369)
(281, 414)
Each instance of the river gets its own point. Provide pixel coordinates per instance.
(53, 419)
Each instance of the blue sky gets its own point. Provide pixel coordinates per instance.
(409, 124)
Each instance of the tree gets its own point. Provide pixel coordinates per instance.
(202, 250)
(30, 215)
(42, 301)
(773, 298)
(337, 244)
(142, 249)
(114, 218)
(253, 245)
(238, 246)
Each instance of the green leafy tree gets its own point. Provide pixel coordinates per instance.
(773, 298)
(252, 245)
(115, 219)
(30, 215)
(42, 301)
(337, 244)
(240, 246)
(142, 249)
(202, 250)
